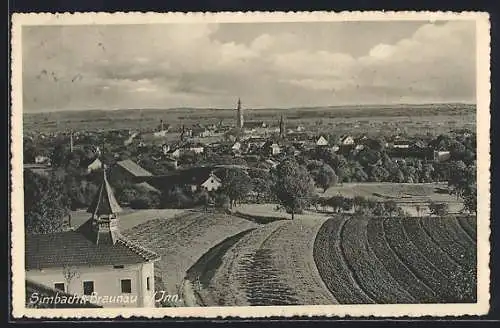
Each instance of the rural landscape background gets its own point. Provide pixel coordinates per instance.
(272, 204)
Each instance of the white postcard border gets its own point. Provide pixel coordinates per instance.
(394, 310)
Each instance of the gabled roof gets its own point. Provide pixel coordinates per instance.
(133, 168)
(104, 202)
(75, 248)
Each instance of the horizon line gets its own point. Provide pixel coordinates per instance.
(253, 108)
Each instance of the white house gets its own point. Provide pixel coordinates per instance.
(322, 141)
(176, 153)
(348, 141)
(236, 146)
(95, 165)
(95, 261)
(441, 156)
(401, 144)
(212, 183)
(40, 159)
(160, 134)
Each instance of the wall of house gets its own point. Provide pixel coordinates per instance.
(107, 283)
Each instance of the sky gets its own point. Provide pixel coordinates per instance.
(267, 65)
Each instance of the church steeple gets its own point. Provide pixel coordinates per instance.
(282, 126)
(239, 119)
(104, 210)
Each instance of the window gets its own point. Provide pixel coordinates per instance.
(59, 286)
(126, 285)
(88, 287)
(148, 286)
(117, 266)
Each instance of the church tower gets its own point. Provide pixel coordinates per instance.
(282, 127)
(239, 119)
(104, 210)
(71, 141)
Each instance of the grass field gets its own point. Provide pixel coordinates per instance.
(407, 195)
(182, 240)
(395, 260)
(271, 265)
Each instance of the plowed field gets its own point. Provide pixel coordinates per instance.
(396, 260)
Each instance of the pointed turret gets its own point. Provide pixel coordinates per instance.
(282, 126)
(239, 119)
(104, 210)
(71, 141)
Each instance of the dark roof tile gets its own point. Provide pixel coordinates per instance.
(75, 248)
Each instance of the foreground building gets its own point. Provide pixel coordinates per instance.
(95, 260)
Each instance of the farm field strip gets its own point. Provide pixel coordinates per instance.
(294, 260)
(465, 227)
(369, 271)
(395, 266)
(183, 240)
(425, 270)
(229, 283)
(465, 256)
(459, 282)
(332, 266)
(271, 266)
(471, 222)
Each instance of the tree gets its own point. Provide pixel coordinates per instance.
(59, 155)
(357, 202)
(293, 186)
(145, 201)
(336, 202)
(203, 198)
(222, 201)
(175, 198)
(418, 209)
(470, 199)
(378, 209)
(390, 207)
(45, 203)
(439, 209)
(70, 272)
(236, 184)
(326, 177)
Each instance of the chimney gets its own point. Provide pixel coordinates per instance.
(161, 125)
(71, 141)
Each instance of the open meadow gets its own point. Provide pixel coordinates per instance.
(407, 195)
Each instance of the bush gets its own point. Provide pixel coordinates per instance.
(222, 201)
(438, 209)
(176, 198)
(145, 201)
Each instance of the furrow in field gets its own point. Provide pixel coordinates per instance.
(332, 266)
(459, 289)
(439, 230)
(368, 270)
(425, 270)
(465, 227)
(395, 266)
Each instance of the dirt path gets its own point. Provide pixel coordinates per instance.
(272, 265)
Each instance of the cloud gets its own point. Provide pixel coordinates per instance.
(171, 65)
